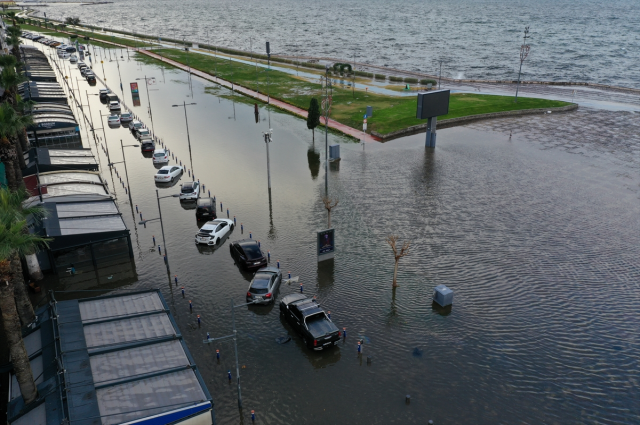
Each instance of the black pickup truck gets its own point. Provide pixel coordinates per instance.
(310, 321)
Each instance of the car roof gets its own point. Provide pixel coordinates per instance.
(114, 101)
(188, 184)
(307, 306)
(126, 113)
(268, 269)
(113, 116)
(244, 242)
(167, 167)
(159, 151)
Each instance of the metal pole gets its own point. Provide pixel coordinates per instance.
(106, 145)
(353, 87)
(90, 115)
(188, 137)
(267, 140)
(326, 133)
(166, 255)
(440, 75)
(126, 173)
(235, 345)
(146, 82)
(518, 83)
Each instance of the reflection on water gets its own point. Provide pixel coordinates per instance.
(529, 240)
(313, 157)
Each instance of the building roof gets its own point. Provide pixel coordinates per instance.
(121, 358)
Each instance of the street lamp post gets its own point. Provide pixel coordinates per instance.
(105, 139)
(184, 105)
(267, 140)
(166, 255)
(126, 173)
(146, 84)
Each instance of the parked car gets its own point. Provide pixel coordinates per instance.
(148, 145)
(160, 156)
(73, 59)
(81, 65)
(135, 125)
(190, 191)
(126, 117)
(168, 173)
(104, 93)
(91, 79)
(70, 49)
(113, 120)
(142, 133)
(247, 254)
(213, 231)
(37, 37)
(306, 317)
(114, 105)
(264, 286)
(205, 209)
(54, 43)
(64, 55)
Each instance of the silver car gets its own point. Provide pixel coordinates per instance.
(264, 285)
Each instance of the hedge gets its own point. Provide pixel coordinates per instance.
(411, 80)
(395, 79)
(380, 77)
(425, 82)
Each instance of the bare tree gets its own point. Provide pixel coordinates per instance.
(329, 204)
(392, 240)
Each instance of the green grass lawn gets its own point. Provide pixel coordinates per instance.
(391, 113)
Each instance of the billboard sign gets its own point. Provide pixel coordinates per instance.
(326, 244)
(433, 104)
(134, 88)
(135, 94)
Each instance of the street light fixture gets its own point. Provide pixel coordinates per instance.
(184, 105)
(144, 222)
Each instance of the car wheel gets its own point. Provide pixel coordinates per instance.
(217, 241)
(232, 226)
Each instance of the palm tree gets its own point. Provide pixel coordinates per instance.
(15, 240)
(11, 212)
(12, 16)
(11, 125)
(9, 79)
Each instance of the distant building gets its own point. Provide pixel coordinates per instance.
(115, 359)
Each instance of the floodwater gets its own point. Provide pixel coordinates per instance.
(540, 246)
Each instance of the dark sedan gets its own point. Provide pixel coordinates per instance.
(247, 254)
(310, 321)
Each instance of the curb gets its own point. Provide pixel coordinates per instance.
(454, 122)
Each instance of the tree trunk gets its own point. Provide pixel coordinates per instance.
(25, 309)
(313, 131)
(329, 219)
(395, 274)
(13, 332)
(34, 267)
(24, 140)
(11, 175)
(20, 162)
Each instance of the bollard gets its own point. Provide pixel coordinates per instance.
(234, 220)
(359, 348)
(190, 305)
(137, 209)
(250, 237)
(159, 250)
(253, 416)
(329, 314)
(182, 292)
(269, 256)
(198, 320)
(220, 205)
(259, 243)
(140, 216)
(208, 336)
(407, 399)
(189, 171)
(209, 193)
(217, 354)
(229, 375)
(126, 192)
(227, 212)
(278, 263)
(203, 187)
(344, 332)
(175, 278)
(154, 239)
(165, 259)
(241, 228)
(214, 199)
(289, 274)
(301, 288)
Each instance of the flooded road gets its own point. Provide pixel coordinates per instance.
(540, 246)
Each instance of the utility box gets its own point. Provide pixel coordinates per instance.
(334, 152)
(369, 111)
(443, 296)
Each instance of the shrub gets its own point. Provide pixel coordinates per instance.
(395, 79)
(425, 82)
(411, 80)
(380, 77)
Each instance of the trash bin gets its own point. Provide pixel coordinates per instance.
(443, 295)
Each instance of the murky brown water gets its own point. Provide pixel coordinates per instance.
(540, 246)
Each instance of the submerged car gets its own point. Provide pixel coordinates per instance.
(168, 173)
(264, 286)
(114, 106)
(113, 120)
(190, 191)
(205, 209)
(247, 254)
(306, 317)
(142, 133)
(148, 145)
(213, 231)
(126, 117)
(160, 156)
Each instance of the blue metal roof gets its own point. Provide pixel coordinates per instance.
(117, 359)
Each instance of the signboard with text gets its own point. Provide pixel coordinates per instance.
(135, 94)
(326, 244)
